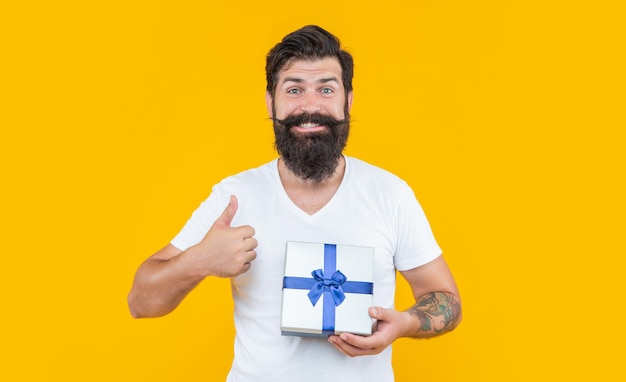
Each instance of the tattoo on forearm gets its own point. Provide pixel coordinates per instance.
(438, 312)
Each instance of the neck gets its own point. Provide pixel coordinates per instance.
(288, 177)
(308, 194)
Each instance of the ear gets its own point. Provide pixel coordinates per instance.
(350, 97)
(269, 103)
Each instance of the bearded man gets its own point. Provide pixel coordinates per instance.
(311, 193)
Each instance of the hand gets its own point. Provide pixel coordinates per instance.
(227, 251)
(391, 324)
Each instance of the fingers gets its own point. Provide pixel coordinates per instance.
(243, 263)
(333, 341)
(353, 345)
(364, 345)
(226, 218)
(356, 345)
(250, 243)
(378, 313)
(231, 249)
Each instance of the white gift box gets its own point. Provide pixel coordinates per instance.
(327, 289)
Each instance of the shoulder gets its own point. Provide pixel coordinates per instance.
(254, 176)
(364, 172)
(248, 186)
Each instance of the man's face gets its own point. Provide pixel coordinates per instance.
(311, 116)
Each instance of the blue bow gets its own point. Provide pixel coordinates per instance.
(333, 285)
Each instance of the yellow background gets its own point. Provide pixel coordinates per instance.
(506, 117)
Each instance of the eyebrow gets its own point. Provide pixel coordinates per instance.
(300, 80)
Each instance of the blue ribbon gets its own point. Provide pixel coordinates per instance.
(333, 289)
(333, 285)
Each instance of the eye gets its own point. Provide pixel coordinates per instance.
(327, 91)
(294, 91)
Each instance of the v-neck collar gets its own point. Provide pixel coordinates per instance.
(297, 210)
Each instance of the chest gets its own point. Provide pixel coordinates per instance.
(346, 222)
(310, 201)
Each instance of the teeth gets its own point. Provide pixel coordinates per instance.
(309, 125)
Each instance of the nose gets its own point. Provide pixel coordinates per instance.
(310, 103)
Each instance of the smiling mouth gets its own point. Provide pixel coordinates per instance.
(309, 125)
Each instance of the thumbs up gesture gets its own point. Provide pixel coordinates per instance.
(226, 251)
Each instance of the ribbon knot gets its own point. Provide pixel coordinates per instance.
(331, 285)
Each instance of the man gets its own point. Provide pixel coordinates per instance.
(311, 193)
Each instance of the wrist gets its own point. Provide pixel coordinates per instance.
(410, 325)
(193, 266)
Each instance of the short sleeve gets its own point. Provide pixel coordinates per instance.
(416, 242)
(201, 220)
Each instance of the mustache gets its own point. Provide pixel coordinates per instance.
(316, 118)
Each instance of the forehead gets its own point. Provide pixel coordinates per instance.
(311, 70)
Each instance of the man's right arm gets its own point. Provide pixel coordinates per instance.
(166, 277)
(162, 282)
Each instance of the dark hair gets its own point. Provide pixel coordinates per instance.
(308, 43)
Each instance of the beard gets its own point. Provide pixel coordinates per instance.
(316, 155)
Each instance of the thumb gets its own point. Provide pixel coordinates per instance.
(378, 313)
(229, 213)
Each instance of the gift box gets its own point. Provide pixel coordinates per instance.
(327, 289)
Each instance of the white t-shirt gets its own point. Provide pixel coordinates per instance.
(371, 207)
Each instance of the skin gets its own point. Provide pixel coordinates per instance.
(309, 87)
(430, 282)
(166, 277)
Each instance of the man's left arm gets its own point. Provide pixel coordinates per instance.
(437, 311)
